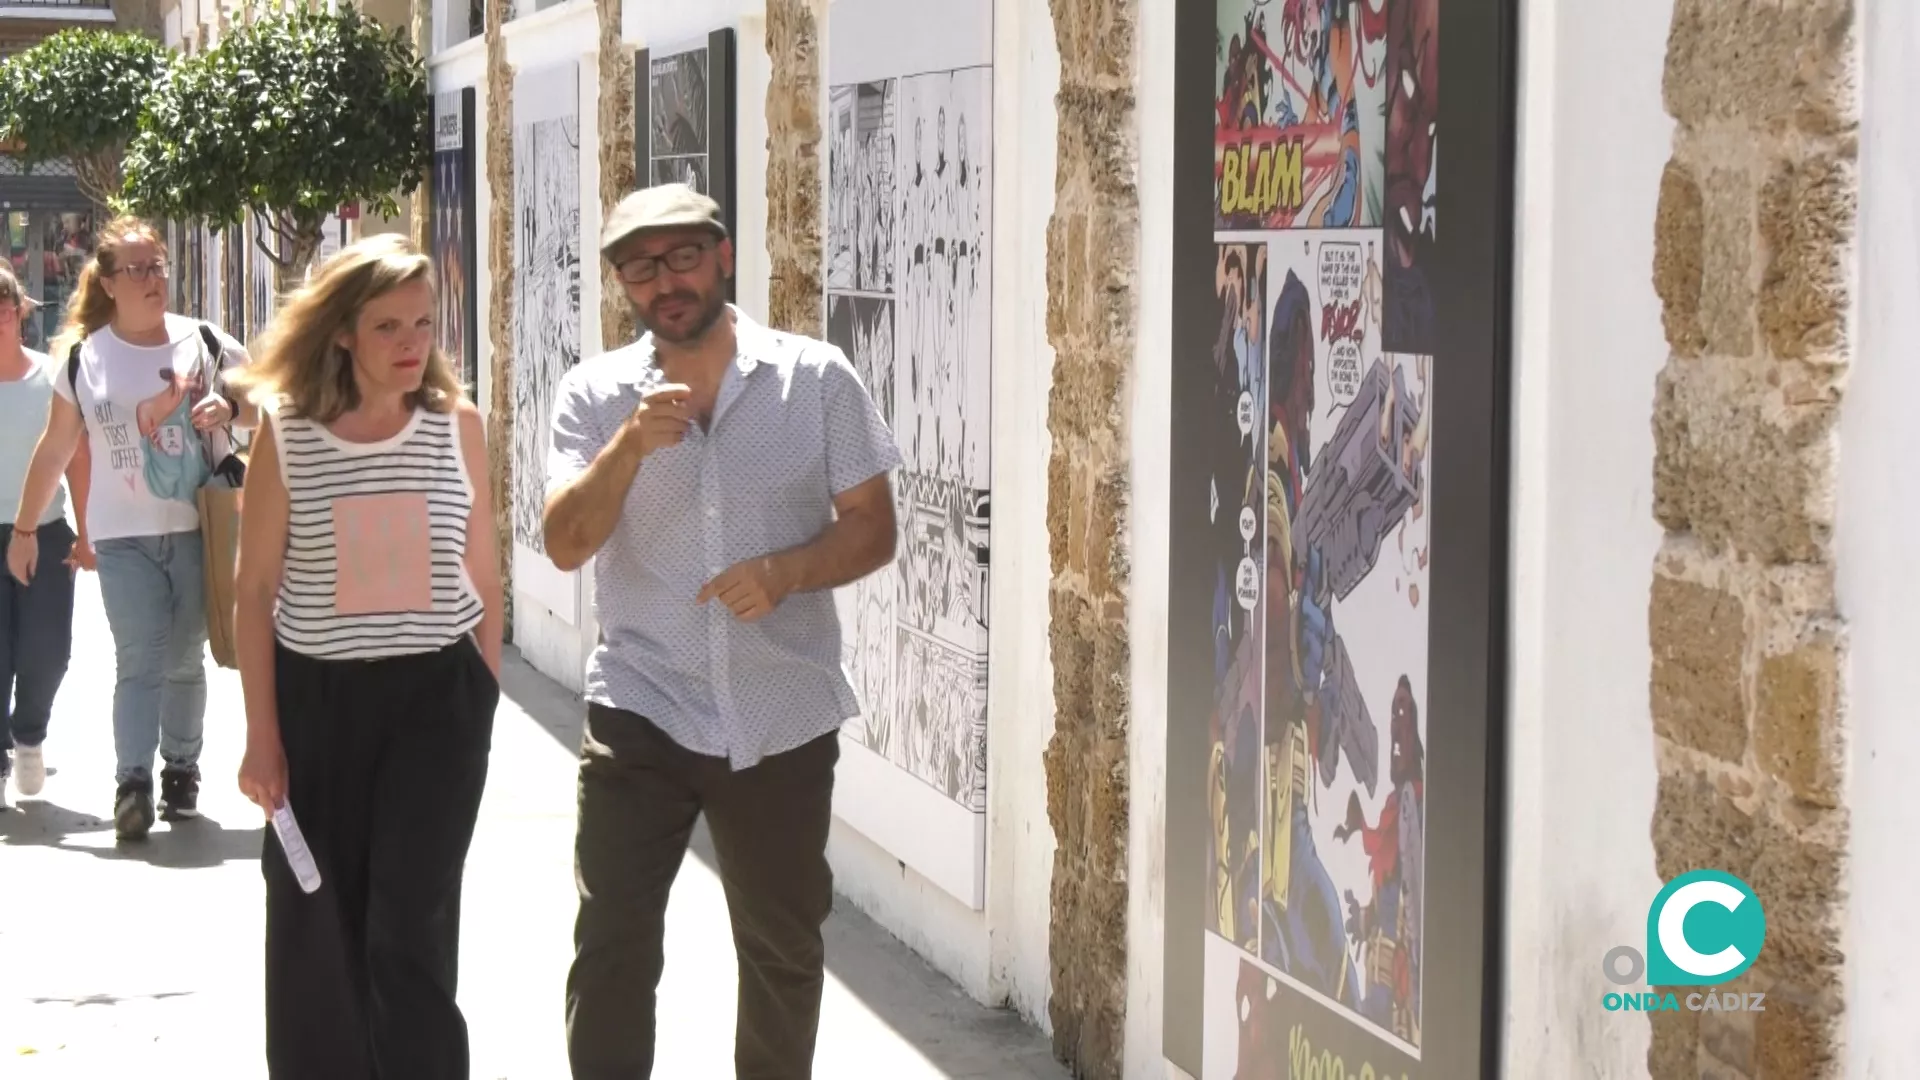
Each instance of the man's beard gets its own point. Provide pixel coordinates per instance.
(710, 311)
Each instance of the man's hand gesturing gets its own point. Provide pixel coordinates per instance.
(662, 418)
(750, 589)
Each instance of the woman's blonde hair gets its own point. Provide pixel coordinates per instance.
(90, 308)
(298, 363)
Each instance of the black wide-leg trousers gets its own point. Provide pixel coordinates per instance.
(386, 763)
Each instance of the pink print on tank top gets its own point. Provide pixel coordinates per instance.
(384, 552)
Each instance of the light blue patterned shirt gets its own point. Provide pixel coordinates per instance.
(792, 428)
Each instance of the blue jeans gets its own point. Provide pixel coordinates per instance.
(36, 639)
(151, 586)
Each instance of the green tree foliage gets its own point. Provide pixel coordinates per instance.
(79, 95)
(293, 115)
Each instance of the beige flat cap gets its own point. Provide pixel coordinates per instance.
(663, 206)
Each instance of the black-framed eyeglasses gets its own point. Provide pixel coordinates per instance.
(143, 271)
(644, 268)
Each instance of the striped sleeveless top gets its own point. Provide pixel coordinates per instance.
(376, 540)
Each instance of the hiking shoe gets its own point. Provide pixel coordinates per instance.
(179, 792)
(29, 769)
(133, 809)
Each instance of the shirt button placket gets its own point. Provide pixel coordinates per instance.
(719, 618)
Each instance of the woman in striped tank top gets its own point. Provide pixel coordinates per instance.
(367, 547)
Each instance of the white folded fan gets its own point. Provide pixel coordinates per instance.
(295, 847)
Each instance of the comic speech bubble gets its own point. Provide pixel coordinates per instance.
(1343, 374)
(1247, 588)
(1248, 523)
(1245, 414)
(1342, 275)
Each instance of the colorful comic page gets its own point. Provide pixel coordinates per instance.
(1325, 218)
(1301, 117)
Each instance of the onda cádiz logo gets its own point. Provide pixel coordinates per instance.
(1705, 928)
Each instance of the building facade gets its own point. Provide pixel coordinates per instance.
(1573, 560)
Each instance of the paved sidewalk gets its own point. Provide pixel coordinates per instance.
(146, 961)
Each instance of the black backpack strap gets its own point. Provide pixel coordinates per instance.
(73, 371)
(214, 348)
(217, 353)
(231, 467)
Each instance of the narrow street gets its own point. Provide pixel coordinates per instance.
(146, 960)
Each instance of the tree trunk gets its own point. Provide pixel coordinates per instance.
(293, 251)
(98, 176)
(306, 244)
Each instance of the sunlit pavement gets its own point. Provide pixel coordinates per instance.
(146, 961)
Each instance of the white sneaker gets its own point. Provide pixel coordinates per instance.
(29, 769)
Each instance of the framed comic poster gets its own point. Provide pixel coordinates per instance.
(1338, 523)
(454, 233)
(909, 300)
(684, 115)
(547, 256)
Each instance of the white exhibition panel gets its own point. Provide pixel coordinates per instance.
(548, 290)
(919, 824)
(870, 40)
(536, 578)
(908, 278)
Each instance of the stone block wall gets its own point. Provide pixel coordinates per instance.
(1752, 266)
(617, 150)
(420, 32)
(498, 172)
(795, 295)
(1092, 303)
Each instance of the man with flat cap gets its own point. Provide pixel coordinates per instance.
(725, 478)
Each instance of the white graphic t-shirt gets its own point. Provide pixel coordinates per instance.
(148, 461)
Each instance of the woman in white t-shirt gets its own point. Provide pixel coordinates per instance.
(145, 394)
(36, 616)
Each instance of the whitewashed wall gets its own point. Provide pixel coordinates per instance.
(1594, 139)
(1147, 610)
(1879, 594)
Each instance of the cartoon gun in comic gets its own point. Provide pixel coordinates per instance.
(1347, 726)
(1338, 712)
(1364, 480)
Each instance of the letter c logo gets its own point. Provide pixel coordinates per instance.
(1703, 929)
(1673, 932)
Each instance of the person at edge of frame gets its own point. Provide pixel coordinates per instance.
(36, 617)
(369, 622)
(725, 477)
